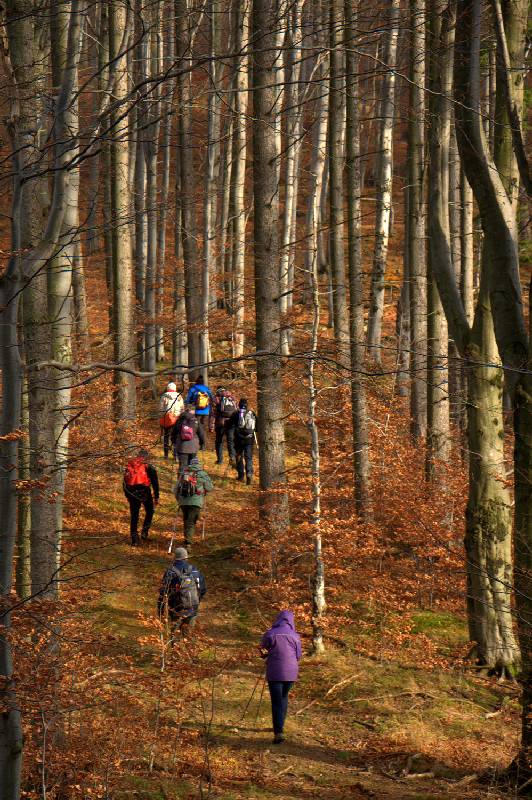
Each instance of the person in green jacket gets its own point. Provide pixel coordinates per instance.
(192, 486)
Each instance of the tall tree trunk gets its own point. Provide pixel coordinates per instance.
(383, 184)
(293, 115)
(441, 44)
(336, 194)
(354, 251)
(415, 223)
(238, 173)
(123, 287)
(193, 274)
(274, 505)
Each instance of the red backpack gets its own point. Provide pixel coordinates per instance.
(136, 473)
(186, 431)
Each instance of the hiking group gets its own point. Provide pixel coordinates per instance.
(185, 424)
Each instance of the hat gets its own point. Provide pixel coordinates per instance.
(143, 453)
(171, 387)
(181, 553)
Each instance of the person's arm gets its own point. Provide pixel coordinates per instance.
(154, 480)
(175, 431)
(298, 647)
(191, 395)
(202, 586)
(207, 484)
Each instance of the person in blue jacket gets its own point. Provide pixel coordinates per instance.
(200, 396)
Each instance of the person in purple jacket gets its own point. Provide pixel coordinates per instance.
(281, 647)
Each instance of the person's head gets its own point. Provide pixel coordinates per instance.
(220, 389)
(285, 617)
(199, 378)
(171, 387)
(242, 403)
(194, 462)
(144, 454)
(180, 553)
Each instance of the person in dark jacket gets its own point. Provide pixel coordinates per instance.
(192, 504)
(224, 406)
(200, 396)
(243, 424)
(281, 647)
(140, 477)
(182, 600)
(187, 438)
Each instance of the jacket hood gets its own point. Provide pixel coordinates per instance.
(171, 387)
(285, 618)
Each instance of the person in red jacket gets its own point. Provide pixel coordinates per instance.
(139, 479)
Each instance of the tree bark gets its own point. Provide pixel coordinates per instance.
(273, 505)
(359, 415)
(383, 186)
(122, 258)
(335, 149)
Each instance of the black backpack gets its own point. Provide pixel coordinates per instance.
(187, 484)
(227, 405)
(182, 589)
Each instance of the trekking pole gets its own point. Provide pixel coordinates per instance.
(260, 699)
(250, 698)
(173, 537)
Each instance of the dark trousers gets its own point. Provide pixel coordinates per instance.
(279, 695)
(167, 432)
(190, 517)
(229, 434)
(135, 502)
(185, 459)
(244, 453)
(182, 621)
(203, 420)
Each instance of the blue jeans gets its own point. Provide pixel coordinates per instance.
(279, 695)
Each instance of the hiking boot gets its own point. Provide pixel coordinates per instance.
(249, 480)
(232, 462)
(240, 478)
(134, 541)
(144, 535)
(279, 738)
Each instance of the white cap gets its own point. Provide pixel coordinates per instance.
(171, 387)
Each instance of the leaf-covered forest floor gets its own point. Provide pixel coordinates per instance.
(184, 726)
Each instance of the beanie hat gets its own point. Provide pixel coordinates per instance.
(171, 387)
(242, 403)
(181, 553)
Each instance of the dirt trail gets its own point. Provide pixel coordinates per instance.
(331, 750)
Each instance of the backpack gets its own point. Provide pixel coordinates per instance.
(186, 431)
(170, 408)
(202, 400)
(182, 589)
(136, 473)
(227, 405)
(187, 484)
(246, 424)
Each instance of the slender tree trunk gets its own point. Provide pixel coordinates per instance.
(193, 274)
(383, 186)
(441, 44)
(293, 115)
(274, 506)
(336, 195)
(359, 415)
(122, 257)
(238, 173)
(415, 230)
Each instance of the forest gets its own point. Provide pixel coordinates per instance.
(315, 214)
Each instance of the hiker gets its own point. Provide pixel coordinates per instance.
(190, 491)
(187, 438)
(171, 406)
(139, 479)
(224, 406)
(281, 647)
(200, 396)
(243, 424)
(182, 589)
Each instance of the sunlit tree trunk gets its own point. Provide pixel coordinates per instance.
(193, 273)
(123, 286)
(238, 172)
(359, 414)
(336, 157)
(383, 184)
(441, 43)
(274, 506)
